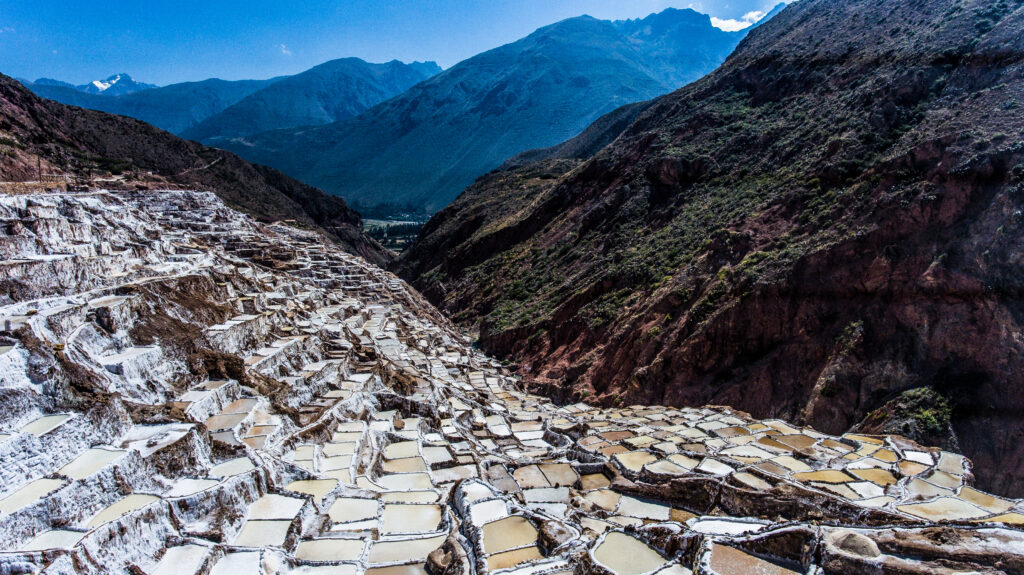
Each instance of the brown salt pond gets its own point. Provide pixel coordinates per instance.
(726, 560)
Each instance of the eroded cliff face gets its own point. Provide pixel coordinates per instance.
(187, 391)
(826, 229)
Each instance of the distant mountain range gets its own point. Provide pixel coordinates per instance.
(414, 135)
(116, 85)
(332, 91)
(424, 146)
(174, 108)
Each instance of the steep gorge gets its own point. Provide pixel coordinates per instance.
(825, 229)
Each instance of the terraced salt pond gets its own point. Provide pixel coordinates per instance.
(323, 419)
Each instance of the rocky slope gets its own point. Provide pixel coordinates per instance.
(174, 108)
(187, 391)
(40, 134)
(826, 229)
(331, 92)
(423, 147)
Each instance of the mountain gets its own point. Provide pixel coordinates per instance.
(426, 69)
(336, 90)
(37, 133)
(174, 108)
(53, 83)
(116, 85)
(825, 229)
(424, 146)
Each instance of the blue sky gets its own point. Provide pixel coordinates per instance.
(164, 41)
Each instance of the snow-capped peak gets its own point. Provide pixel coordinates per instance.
(116, 84)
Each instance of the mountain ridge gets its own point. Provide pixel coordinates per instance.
(43, 135)
(174, 108)
(330, 92)
(427, 144)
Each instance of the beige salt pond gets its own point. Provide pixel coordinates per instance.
(56, 539)
(237, 564)
(190, 486)
(405, 481)
(318, 488)
(626, 555)
(404, 551)
(425, 496)
(182, 559)
(508, 533)
(633, 507)
(125, 506)
(509, 559)
(90, 461)
(944, 508)
(634, 460)
(401, 450)
(232, 467)
(45, 424)
(487, 511)
(29, 494)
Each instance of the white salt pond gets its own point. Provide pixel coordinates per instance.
(273, 506)
(190, 486)
(724, 527)
(400, 518)
(182, 559)
(330, 549)
(349, 509)
(148, 439)
(237, 564)
(263, 533)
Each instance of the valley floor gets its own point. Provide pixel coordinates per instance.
(187, 391)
